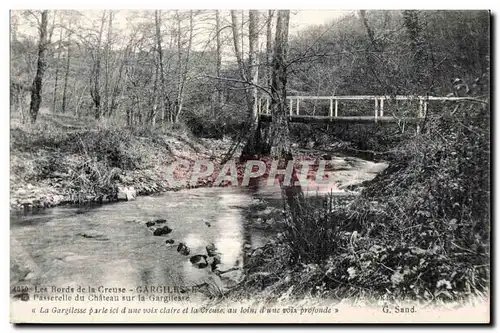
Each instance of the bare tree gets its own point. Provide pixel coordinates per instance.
(253, 143)
(56, 79)
(36, 90)
(160, 70)
(253, 54)
(413, 26)
(95, 77)
(66, 71)
(107, 63)
(238, 54)
(219, 97)
(183, 70)
(269, 46)
(280, 141)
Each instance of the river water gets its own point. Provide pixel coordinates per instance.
(110, 244)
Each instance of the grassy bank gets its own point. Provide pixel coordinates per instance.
(419, 231)
(64, 159)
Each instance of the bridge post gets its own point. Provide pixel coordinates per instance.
(420, 111)
(382, 106)
(290, 107)
(331, 108)
(376, 108)
(336, 107)
(267, 105)
(298, 102)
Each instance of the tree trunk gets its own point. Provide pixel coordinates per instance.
(280, 141)
(95, 90)
(369, 31)
(56, 79)
(253, 42)
(66, 75)
(179, 62)
(106, 65)
(36, 90)
(253, 143)
(159, 49)
(269, 47)
(116, 88)
(183, 71)
(236, 40)
(239, 60)
(414, 29)
(219, 98)
(154, 109)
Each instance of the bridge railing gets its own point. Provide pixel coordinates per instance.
(336, 105)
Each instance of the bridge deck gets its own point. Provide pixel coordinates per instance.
(353, 119)
(416, 108)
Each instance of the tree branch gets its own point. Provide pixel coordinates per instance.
(240, 81)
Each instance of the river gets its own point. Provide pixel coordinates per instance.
(110, 244)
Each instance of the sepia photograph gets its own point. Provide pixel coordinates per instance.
(250, 166)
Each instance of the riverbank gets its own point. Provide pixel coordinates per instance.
(419, 231)
(64, 159)
(67, 160)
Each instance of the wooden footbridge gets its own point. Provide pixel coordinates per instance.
(355, 109)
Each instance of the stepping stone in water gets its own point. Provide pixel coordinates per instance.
(214, 255)
(211, 250)
(183, 249)
(162, 231)
(169, 241)
(160, 221)
(199, 261)
(150, 224)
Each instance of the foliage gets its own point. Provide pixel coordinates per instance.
(89, 163)
(419, 231)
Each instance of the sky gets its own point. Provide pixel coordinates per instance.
(299, 19)
(303, 18)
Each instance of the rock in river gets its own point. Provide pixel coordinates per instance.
(211, 250)
(199, 261)
(169, 241)
(183, 249)
(160, 221)
(162, 231)
(150, 224)
(214, 254)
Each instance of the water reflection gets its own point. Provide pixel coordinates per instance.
(110, 244)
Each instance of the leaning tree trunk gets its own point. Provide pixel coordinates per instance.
(279, 138)
(36, 90)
